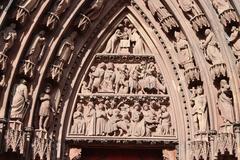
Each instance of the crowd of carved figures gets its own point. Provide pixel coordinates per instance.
(140, 78)
(111, 117)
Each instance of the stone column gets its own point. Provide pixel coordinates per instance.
(3, 123)
(237, 136)
(212, 134)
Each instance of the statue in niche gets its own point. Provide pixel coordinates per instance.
(137, 127)
(108, 78)
(95, 10)
(97, 77)
(190, 8)
(113, 42)
(20, 102)
(121, 82)
(59, 9)
(101, 119)
(185, 56)
(35, 53)
(165, 121)
(225, 103)
(225, 11)
(139, 47)
(64, 55)
(25, 8)
(234, 40)
(90, 119)
(9, 37)
(211, 48)
(79, 125)
(45, 108)
(159, 12)
(199, 110)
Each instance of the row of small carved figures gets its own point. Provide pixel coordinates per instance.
(141, 78)
(124, 120)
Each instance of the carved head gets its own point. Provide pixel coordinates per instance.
(207, 32)
(23, 81)
(163, 108)
(101, 65)
(224, 85)
(199, 90)
(136, 106)
(79, 106)
(90, 104)
(110, 66)
(100, 106)
(93, 68)
(116, 112)
(145, 106)
(47, 89)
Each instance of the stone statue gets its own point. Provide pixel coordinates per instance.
(221, 5)
(189, 7)
(159, 12)
(35, 53)
(59, 9)
(97, 77)
(95, 10)
(66, 50)
(64, 56)
(113, 42)
(133, 79)
(9, 37)
(139, 47)
(185, 56)
(121, 82)
(234, 39)
(19, 103)
(90, 119)
(111, 126)
(165, 121)
(79, 125)
(101, 120)
(225, 103)
(211, 48)
(108, 78)
(149, 118)
(124, 45)
(137, 125)
(199, 110)
(25, 8)
(45, 108)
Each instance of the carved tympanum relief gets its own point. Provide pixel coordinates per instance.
(25, 8)
(126, 39)
(138, 75)
(122, 116)
(123, 95)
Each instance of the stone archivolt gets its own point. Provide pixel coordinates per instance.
(144, 79)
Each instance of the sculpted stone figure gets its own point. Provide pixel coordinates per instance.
(121, 82)
(211, 48)
(225, 103)
(35, 53)
(97, 77)
(113, 42)
(189, 7)
(108, 78)
(234, 39)
(9, 37)
(199, 110)
(19, 103)
(159, 11)
(95, 10)
(185, 56)
(25, 8)
(139, 47)
(45, 108)
(101, 120)
(79, 125)
(90, 119)
(59, 9)
(64, 56)
(165, 121)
